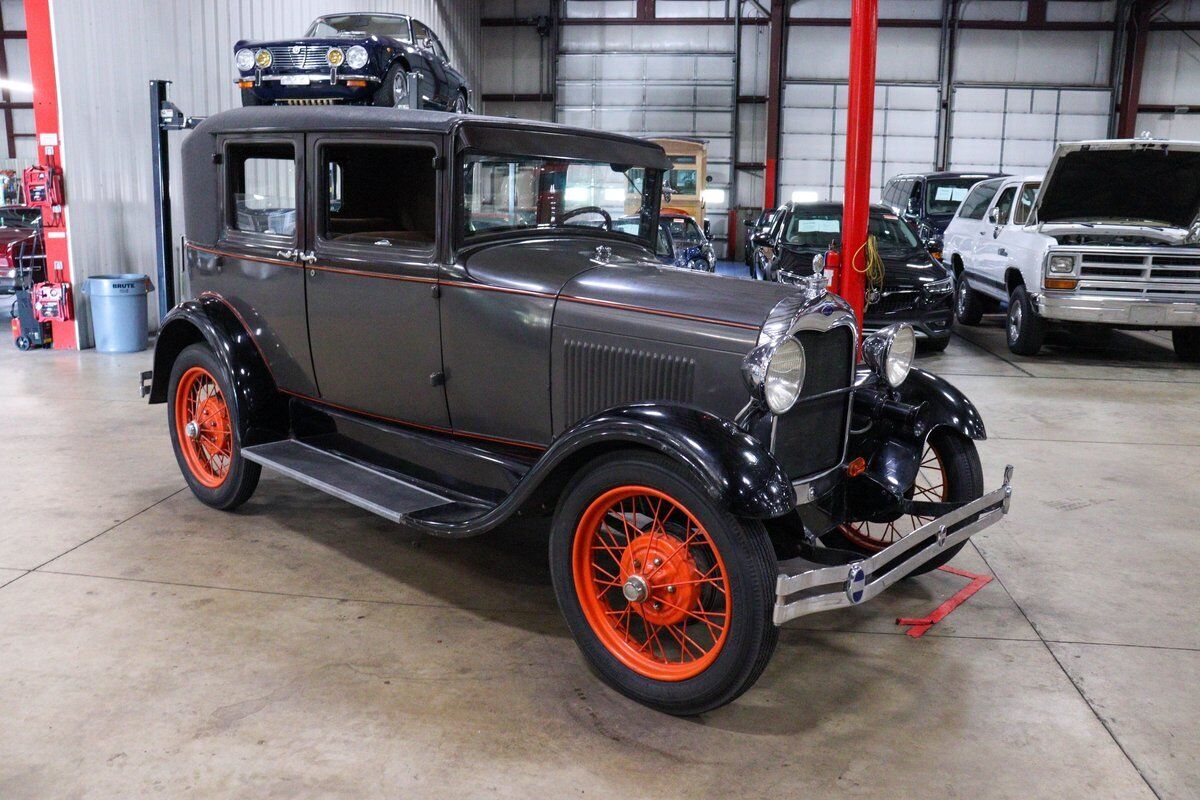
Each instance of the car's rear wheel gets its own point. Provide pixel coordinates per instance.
(968, 308)
(203, 420)
(460, 104)
(668, 595)
(1187, 344)
(1025, 330)
(394, 90)
(949, 472)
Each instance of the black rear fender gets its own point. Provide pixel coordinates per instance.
(261, 409)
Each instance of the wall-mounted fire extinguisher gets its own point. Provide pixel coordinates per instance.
(44, 189)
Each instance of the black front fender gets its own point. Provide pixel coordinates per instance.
(261, 410)
(735, 469)
(947, 407)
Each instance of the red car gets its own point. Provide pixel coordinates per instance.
(22, 248)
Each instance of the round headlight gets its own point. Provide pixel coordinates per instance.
(335, 56)
(890, 351)
(262, 59)
(244, 60)
(356, 57)
(785, 376)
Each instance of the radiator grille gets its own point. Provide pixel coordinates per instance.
(1140, 273)
(810, 438)
(602, 376)
(310, 56)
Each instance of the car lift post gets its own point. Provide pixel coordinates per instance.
(860, 117)
(164, 117)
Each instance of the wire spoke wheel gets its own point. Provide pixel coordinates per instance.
(931, 485)
(203, 427)
(651, 583)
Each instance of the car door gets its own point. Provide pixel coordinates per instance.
(967, 231)
(423, 40)
(992, 256)
(253, 267)
(374, 320)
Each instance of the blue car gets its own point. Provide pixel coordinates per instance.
(681, 242)
(367, 59)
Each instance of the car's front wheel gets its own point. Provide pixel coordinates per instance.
(668, 595)
(1187, 344)
(394, 90)
(203, 418)
(1025, 330)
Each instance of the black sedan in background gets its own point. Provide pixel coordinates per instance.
(916, 288)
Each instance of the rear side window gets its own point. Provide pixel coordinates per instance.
(379, 194)
(977, 202)
(261, 186)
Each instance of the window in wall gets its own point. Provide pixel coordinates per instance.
(379, 194)
(261, 181)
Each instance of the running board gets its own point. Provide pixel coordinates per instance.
(376, 491)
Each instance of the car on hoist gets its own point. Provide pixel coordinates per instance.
(434, 317)
(389, 60)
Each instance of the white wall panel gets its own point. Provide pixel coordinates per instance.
(1057, 58)
(104, 98)
(819, 52)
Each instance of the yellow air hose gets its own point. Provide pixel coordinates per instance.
(873, 269)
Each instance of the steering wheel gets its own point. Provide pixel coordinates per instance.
(575, 212)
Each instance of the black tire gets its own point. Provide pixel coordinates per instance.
(1024, 329)
(968, 308)
(937, 345)
(1187, 344)
(461, 105)
(963, 477)
(241, 477)
(385, 96)
(249, 98)
(742, 546)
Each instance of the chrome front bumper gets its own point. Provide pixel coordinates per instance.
(805, 587)
(1110, 310)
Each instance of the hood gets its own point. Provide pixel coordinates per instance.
(680, 293)
(1139, 180)
(910, 269)
(344, 41)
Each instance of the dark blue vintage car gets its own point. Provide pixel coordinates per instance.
(367, 59)
(681, 243)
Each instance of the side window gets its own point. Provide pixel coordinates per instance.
(1025, 203)
(379, 194)
(420, 33)
(914, 194)
(976, 203)
(888, 193)
(1004, 205)
(260, 183)
(437, 48)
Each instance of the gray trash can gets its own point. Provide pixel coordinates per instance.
(118, 305)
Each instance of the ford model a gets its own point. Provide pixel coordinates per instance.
(435, 318)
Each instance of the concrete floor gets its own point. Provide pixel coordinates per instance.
(302, 648)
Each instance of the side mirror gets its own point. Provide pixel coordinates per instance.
(760, 239)
(993, 215)
(708, 229)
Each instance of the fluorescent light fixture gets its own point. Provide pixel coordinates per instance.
(805, 196)
(714, 196)
(575, 194)
(614, 194)
(16, 86)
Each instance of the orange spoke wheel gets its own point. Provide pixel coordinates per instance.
(204, 427)
(930, 486)
(651, 583)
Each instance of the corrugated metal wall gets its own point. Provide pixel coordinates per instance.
(1171, 76)
(108, 50)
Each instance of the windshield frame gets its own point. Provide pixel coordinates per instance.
(407, 20)
(652, 195)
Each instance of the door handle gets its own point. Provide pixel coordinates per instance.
(1003, 252)
(307, 258)
(290, 255)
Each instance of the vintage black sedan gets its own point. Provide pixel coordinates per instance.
(367, 59)
(681, 243)
(403, 309)
(916, 288)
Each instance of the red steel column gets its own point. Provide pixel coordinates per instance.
(1131, 71)
(774, 102)
(864, 22)
(45, 119)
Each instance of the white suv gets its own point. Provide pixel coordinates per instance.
(1108, 240)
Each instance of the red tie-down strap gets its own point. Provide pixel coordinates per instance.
(922, 624)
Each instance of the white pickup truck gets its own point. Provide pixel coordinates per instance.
(1108, 239)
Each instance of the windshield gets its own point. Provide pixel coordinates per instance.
(20, 218)
(943, 195)
(681, 179)
(377, 24)
(506, 193)
(685, 231)
(823, 230)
